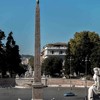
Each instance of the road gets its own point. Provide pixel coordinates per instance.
(48, 93)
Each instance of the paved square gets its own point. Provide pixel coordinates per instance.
(48, 93)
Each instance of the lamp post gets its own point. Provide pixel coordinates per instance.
(70, 93)
(86, 62)
(70, 72)
(63, 70)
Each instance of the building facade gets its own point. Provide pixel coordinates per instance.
(55, 49)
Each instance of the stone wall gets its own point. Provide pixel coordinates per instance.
(61, 81)
(27, 82)
(12, 82)
(7, 82)
(53, 81)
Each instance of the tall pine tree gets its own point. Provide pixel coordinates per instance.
(13, 57)
(3, 68)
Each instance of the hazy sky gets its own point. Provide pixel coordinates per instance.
(60, 19)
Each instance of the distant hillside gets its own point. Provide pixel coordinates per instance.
(27, 56)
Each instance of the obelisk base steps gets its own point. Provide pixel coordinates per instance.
(37, 91)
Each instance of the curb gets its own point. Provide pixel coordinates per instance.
(73, 86)
(67, 86)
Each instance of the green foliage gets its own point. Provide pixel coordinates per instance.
(21, 69)
(2, 35)
(31, 62)
(95, 56)
(9, 56)
(13, 57)
(67, 62)
(2, 53)
(84, 44)
(52, 66)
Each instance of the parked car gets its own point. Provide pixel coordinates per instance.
(69, 94)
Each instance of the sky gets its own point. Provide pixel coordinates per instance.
(60, 19)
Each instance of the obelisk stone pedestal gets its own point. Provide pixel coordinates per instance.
(37, 91)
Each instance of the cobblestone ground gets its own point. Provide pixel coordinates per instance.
(48, 93)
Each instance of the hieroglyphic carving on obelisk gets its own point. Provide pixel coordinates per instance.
(37, 85)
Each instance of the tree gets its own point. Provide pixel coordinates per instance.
(2, 54)
(68, 66)
(84, 53)
(52, 66)
(13, 57)
(95, 56)
(2, 35)
(31, 62)
(67, 63)
(9, 56)
(82, 46)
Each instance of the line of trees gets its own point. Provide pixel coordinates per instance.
(10, 59)
(84, 49)
(52, 66)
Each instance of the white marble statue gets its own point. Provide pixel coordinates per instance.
(95, 88)
(29, 72)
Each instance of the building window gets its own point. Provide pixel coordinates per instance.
(60, 52)
(52, 52)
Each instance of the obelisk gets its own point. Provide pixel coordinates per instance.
(37, 85)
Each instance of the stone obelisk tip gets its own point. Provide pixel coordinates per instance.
(37, 1)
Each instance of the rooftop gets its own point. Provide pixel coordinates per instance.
(58, 44)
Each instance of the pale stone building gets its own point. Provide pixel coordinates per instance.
(54, 49)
